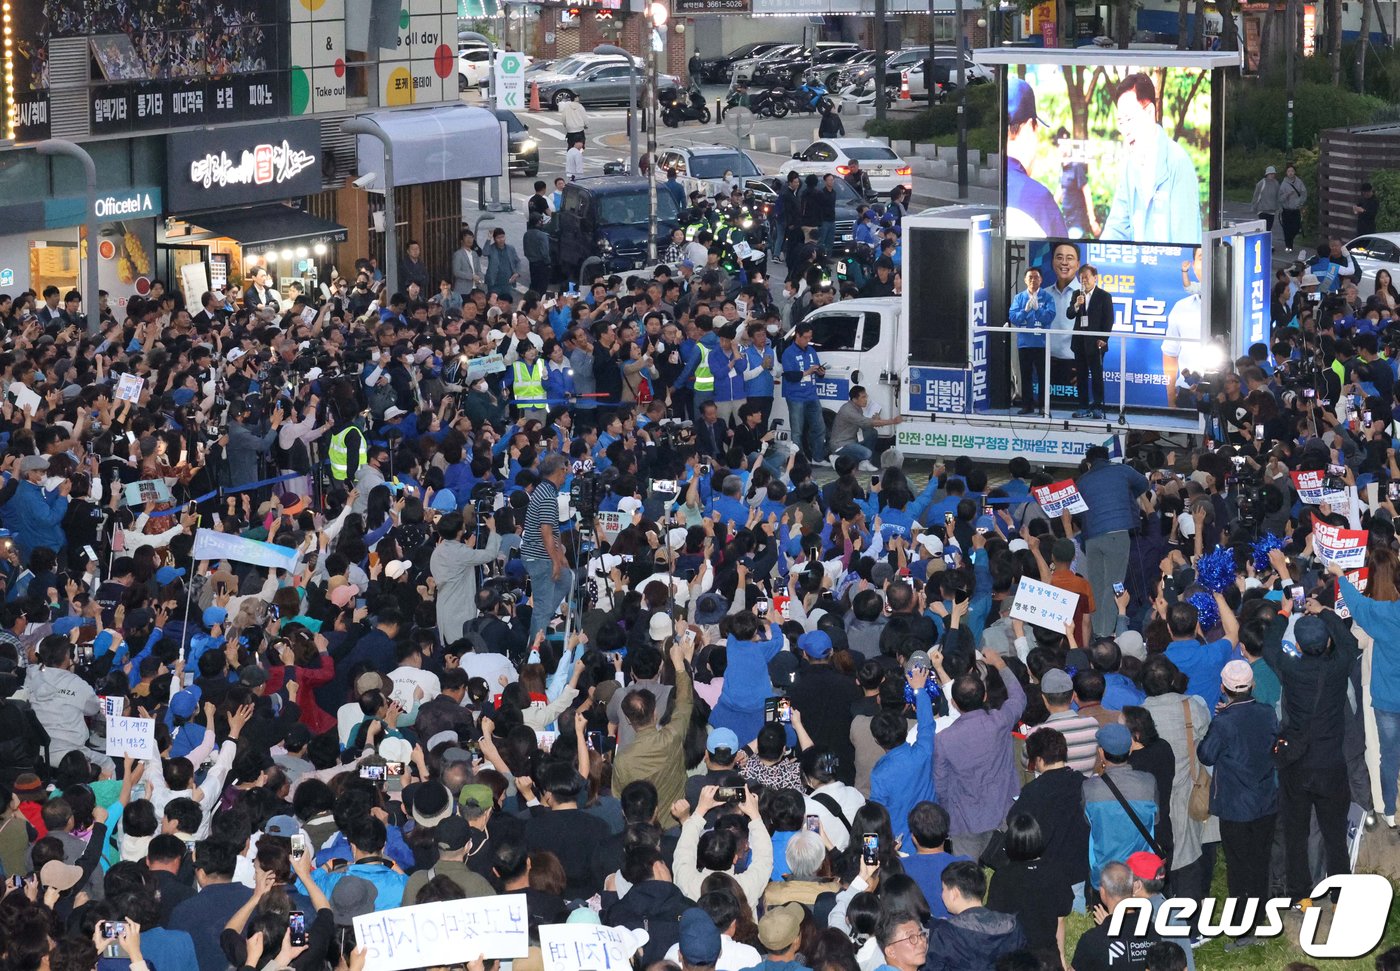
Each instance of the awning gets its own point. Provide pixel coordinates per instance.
(433, 145)
(260, 225)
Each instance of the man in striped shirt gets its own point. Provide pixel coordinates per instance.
(1057, 689)
(541, 549)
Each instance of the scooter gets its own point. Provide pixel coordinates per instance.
(808, 98)
(677, 111)
(766, 103)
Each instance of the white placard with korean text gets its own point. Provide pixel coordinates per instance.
(1043, 605)
(1344, 547)
(589, 947)
(134, 737)
(129, 387)
(445, 933)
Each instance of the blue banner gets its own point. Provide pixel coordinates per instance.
(210, 544)
(938, 389)
(1156, 292)
(979, 290)
(1254, 290)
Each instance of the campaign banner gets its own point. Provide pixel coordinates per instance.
(979, 270)
(589, 947)
(612, 523)
(1156, 294)
(147, 490)
(445, 933)
(1312, 489)
(1344, 547)
(131, 737)
(1043, 605)
(1060, 496)
(212, 545)
(1358, 580)
(1258, 269)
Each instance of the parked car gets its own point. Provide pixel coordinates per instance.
(714, 70)
(524, 148)
(604, 84)
(882, 166)
(1379, 251)
(604, 219)
(945, 68)
(746, 68)
(472, 69)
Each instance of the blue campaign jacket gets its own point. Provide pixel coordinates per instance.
(1040, 315)
(36, 518)
(903, 777)
(1240, 744)
(1110, 491)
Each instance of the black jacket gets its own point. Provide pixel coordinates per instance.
(1056, 800)
(972, 940)
(653, 905)
(824, 697)
(831, 126)
(1315, 690)
(1095, 313)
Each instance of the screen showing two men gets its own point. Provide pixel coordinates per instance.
(1107, 153)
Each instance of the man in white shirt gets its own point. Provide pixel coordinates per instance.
(573, 160)
(1064, 263)
(410, 676)
(832, 801)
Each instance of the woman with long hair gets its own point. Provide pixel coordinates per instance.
(1028, 887)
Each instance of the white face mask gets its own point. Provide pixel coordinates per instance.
(772, 329)
(52, 482)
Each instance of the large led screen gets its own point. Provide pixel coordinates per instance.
(1107, 153)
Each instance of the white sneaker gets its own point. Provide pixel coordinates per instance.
(1389, 820)
(867, 467)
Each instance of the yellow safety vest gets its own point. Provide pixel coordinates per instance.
(339, 456)
(528, 387)
(704, 377)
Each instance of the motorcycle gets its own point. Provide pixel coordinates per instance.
(692, 109)
(767, 103)
(808, 98)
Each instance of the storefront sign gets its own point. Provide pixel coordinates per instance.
(234, 166)
(117, 109)
(710, 6)
(138, 202)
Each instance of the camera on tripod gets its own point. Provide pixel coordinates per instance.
(586, 494)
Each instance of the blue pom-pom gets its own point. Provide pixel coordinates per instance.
(930, 689)
(1216, 570)
(1262, 548)
(1208, 612)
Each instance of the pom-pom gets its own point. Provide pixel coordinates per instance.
(1262, 548)
(1206, 609)
(930, 689)
(1216, 570)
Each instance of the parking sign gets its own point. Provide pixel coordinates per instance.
(510, 81)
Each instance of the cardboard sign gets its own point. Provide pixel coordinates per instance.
(1358, 580)
(589, 947)
(1344, 547)
(134, 737)
(147, 490)
(129, 387)
(1059, 496)
(612, 523)
(1043, 605)
(1313, 492)
(445, 933)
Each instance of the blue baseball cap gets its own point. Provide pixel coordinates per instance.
(168, 574)
(722, 738)
(184, 704)
(1114, 739)
(214, 615)
(444, 500)
(1020, 103)
(699, 937)
(66, 625)
(182, 396)
(816, 644)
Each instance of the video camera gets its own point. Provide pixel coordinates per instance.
(586, 494)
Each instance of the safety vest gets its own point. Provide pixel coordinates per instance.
(527, 386)
(340, 463)
(704, 377)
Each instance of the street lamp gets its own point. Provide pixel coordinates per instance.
(61, 146)
(631, 96)
(657, 14)
(368, 126)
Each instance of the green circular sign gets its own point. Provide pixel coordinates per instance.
(403, 19)
(510, 63)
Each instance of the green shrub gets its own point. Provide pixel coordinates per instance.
(1387, 186)
(937, 121)
(1257, 113)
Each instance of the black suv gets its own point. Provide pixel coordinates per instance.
(605, 219)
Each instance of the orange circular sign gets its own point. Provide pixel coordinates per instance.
(106, 249)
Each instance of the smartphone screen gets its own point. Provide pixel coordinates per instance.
(761, 606)
(1297, 594)
(298, 845)
(1258, 433)
(814, 823)
(870, 847)
(948, 518)
(1118, 589)
(1392, 491)
(1337, 470)
(296, 929)
(875, 480)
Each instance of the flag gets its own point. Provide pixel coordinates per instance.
(212, 545)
